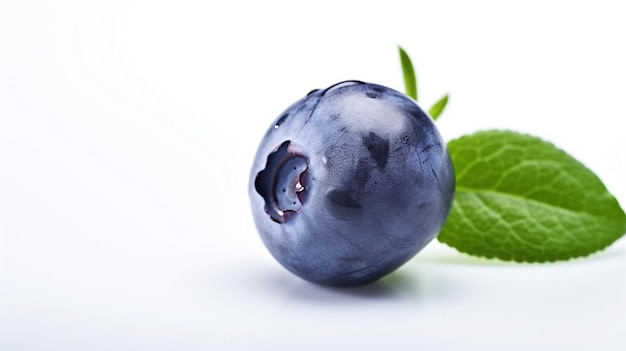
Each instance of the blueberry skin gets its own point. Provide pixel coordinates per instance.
(349, 183)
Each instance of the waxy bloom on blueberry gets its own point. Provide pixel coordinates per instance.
(349, 183)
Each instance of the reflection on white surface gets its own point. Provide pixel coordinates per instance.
(128, 130)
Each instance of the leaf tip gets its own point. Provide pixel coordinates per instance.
(438, 107)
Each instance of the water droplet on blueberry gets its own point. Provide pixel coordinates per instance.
(280, 120)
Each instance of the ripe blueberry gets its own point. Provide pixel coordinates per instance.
(349, 183)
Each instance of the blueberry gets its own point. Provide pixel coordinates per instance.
(349, 183)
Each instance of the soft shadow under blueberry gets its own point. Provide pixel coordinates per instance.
(396, 286)
(406, 284)
(462, 259)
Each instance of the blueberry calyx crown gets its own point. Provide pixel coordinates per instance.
(281, 183)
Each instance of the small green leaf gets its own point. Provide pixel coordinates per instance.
(438, 107)
(520, 198)
(410, 80)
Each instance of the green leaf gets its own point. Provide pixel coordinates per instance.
(438, 107)
(410, 80)
(520, 198)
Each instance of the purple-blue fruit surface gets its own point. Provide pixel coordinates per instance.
(349, 183)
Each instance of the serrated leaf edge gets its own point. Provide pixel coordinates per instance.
(516, 260)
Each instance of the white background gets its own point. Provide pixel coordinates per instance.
(128, 129)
